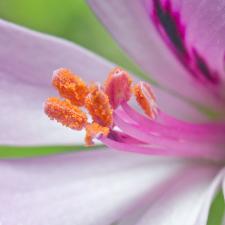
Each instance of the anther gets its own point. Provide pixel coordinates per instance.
(94, 130)
(70, 86)
(146, 99)
(118, 87)
(97, 104)
(65, 113)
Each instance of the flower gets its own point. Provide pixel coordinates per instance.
(102, 186)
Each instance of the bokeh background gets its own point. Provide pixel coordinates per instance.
(74, 21)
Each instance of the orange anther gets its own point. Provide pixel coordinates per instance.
(70, 86)
(118, 87)
(146, 99)
(97, 103)
(94, 130)
(65, 113)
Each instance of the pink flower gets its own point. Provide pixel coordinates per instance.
(115, 187)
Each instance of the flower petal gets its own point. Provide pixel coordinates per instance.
(179, 108)
(158, 43)
(185, 201)
(27, 60)
(91, 188)
(213, 189)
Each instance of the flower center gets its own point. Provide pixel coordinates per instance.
(118, 125)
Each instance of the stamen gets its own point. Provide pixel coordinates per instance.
(94, 130)
(70, 86)
(97, 103)
(65, 113)
(146, 99)
(164, 136)
(118, 87)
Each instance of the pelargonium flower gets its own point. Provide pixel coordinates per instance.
(171, 41)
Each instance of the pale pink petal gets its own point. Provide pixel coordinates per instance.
(185, 68)
(213, 189)
(184, 200)
(178, 107)
(205, 29)
(92, 188)
(27, 60)
(174, 105)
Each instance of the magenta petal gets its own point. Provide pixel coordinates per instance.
(133, 25)
(92, 188)
(27, 60)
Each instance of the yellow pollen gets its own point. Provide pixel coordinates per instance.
(65, 113)
(94, 130)
(97, 104)
(146, 99)
(70, 86)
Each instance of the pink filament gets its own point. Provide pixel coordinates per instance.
(210, 153)
(178, 129)
(166, 136)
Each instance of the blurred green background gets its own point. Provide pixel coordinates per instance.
(74, 21)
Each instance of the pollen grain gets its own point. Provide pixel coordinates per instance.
(97, 104)
(93, 130)
(146, 98)
(118, 87)
(65, 113)
(70, 86)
